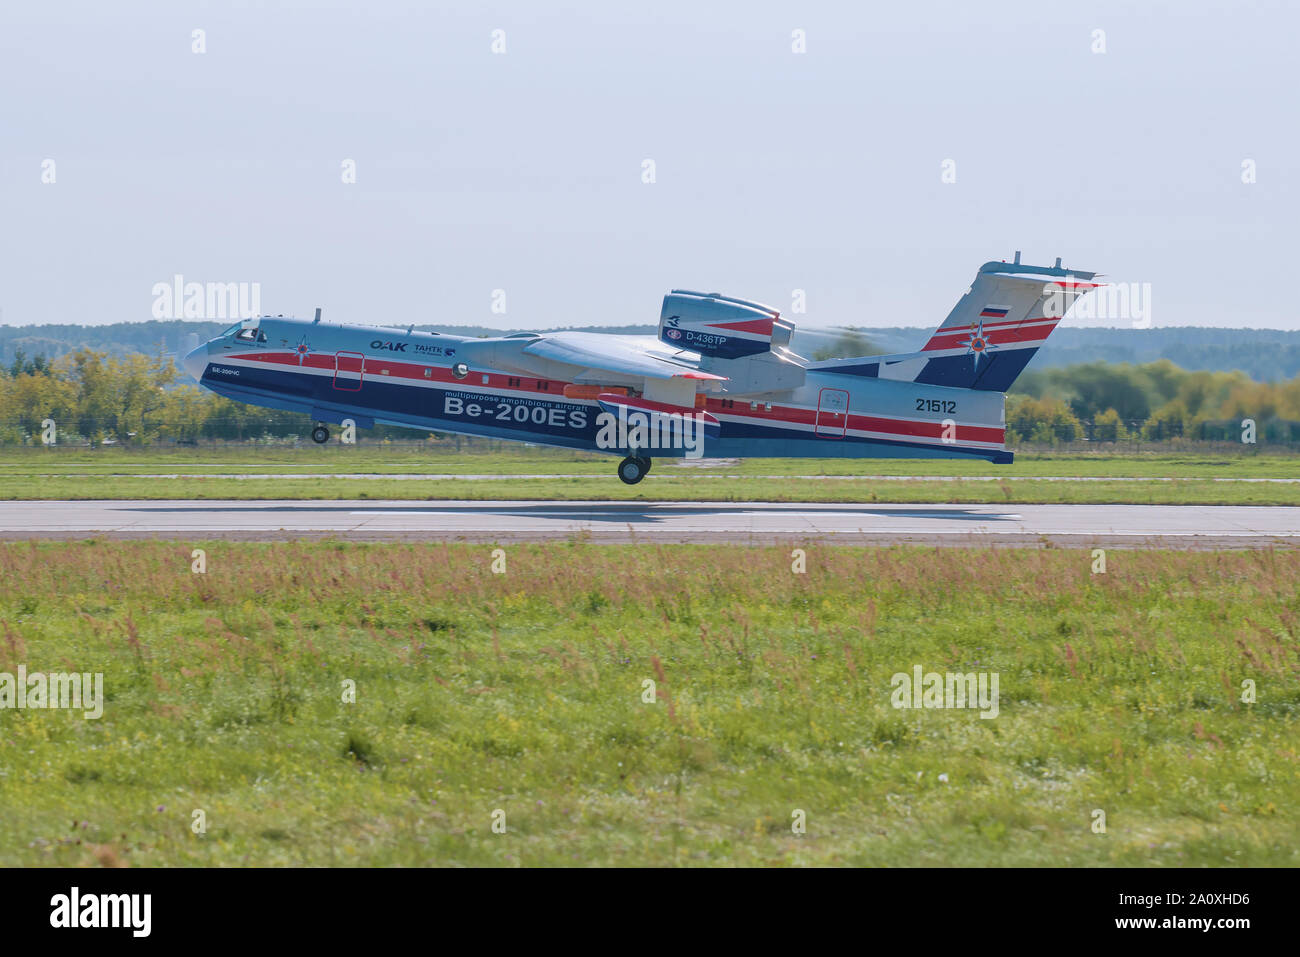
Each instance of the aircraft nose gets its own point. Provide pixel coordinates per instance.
(196, 362)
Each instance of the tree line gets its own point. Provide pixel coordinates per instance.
(1154, 402)
(93, 397)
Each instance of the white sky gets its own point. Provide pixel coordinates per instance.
(775, 171)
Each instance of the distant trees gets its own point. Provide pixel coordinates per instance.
(1042, 421)
(849, 343)
(1156, 402)
(86, 393)
(134, 400)
(1108, 427)
(1170, 421)
(24, 366)
(28, 396)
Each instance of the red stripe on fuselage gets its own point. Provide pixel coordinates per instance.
(863, 423)
(375, 367)
(554, 389)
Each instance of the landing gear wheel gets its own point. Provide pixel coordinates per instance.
(645, 464)
(632, 470)
(320, 435)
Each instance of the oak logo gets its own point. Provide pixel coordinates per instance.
(132, 911)
(390, 346)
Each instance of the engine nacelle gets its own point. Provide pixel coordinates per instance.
(720, 326)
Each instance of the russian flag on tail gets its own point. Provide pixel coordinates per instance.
(994, 312)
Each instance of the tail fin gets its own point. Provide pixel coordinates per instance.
(992, 332)
(995, 329)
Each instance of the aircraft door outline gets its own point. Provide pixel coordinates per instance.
(347, 365)
(832, 413)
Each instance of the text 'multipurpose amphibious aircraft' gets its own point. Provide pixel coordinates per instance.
(719, 379)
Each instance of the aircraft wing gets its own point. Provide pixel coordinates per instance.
(611, 354)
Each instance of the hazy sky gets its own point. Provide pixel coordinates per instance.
(523, 171)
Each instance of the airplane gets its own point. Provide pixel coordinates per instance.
(719, 379)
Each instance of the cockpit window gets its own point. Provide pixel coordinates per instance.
(251, 335)
(231, 331)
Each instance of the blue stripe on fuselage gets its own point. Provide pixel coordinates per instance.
(531, 418)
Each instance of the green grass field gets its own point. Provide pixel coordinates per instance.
(330, 472)
(522, 693)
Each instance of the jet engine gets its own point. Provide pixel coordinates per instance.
(745, 341)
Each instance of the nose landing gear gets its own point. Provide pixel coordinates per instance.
(320, 435)
(633, 469)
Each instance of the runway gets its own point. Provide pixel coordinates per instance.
(508, 476)
(1170, 526)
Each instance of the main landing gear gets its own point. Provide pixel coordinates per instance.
(633, 469)
(320, 435)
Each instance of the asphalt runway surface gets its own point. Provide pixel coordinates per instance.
(1165, 526)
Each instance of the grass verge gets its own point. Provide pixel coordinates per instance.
(524, 693)
(336, 472)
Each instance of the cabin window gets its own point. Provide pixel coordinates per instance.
(251, 335)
